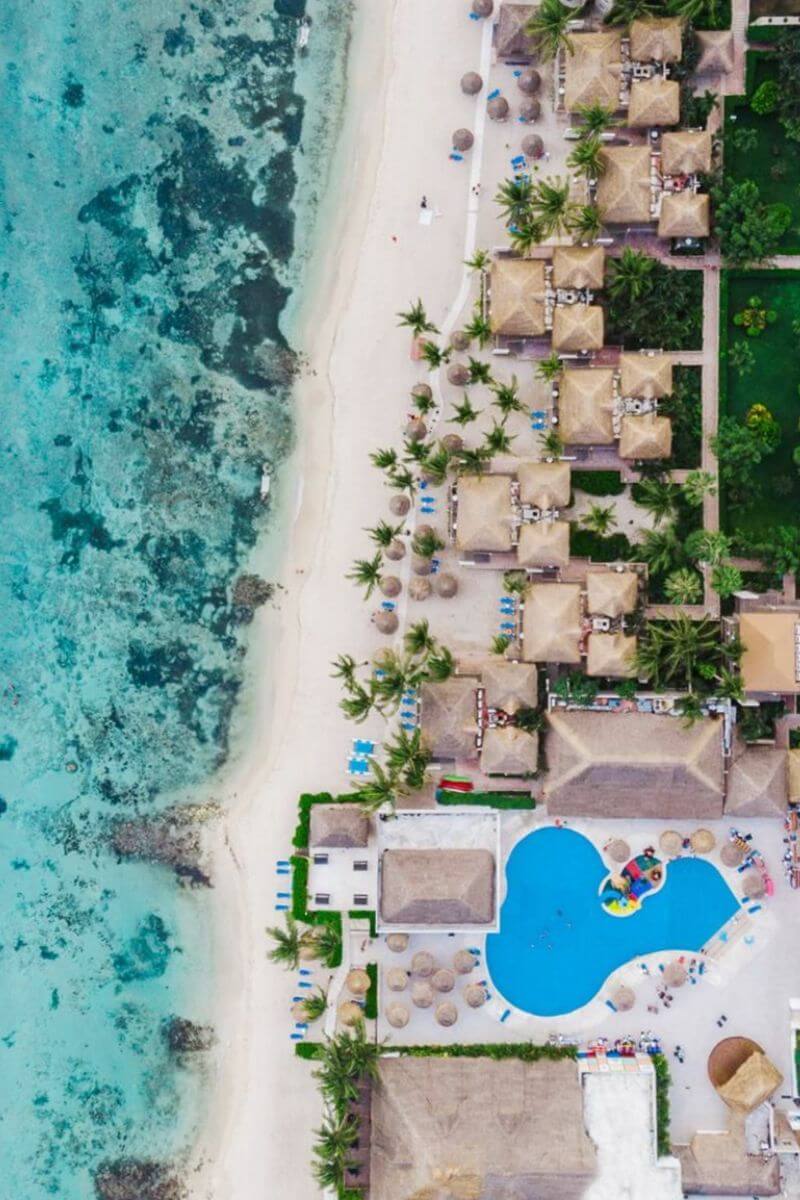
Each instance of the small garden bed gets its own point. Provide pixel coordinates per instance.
(503, 800)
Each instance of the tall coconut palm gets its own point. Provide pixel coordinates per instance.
(587, 157)
(683, 586)
(600, 519)
(729, 686)
(464, 413)
(680, 649)
(358, 703)
(436, 464)
(315, 1004)
(479, 328)
(326, 939)
(383, 534)
(289, 941)
(552, 207)
(660, 549)
(423, 404)
(402, 480)
(419, 639)
(726, 579)
(383, 788)
(506, 397)
(384, 460)
(708, 546)
(630, 273)
(515, 582)
(498, 440)
(625, 12)
(552, 443)
(515, 197)
(548, 29)
(408, 756)
(426, 544)
(549, 368)
(697, 485)
(481, 261)
(595, 119)
(587, 223)
(525, 236)
(416, 319)
(658, 497)
(473, 461)
(415, 452)
(344, 668)
(441, 664)
(434, 355)
(366, 573)
(479, 371)
(532, 720)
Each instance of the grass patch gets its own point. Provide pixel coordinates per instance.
(774, 380)
(525, 1051)
(371, 998)
(502, 800)
(598, 483)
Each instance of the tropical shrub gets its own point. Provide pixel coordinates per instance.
(761, 421)
(749, 229)
(755, 318)
(598, 483)
(765, 98)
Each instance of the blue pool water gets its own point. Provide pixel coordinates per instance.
(556, 946)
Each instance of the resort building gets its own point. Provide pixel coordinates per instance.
(517, 291)
(628, 188)
(656, 40)
(646, 376)
(758, 781)
(530, 298)
(654, 102)
(684, 215)
(513, 520)
(717, 52)
(586, 406)
(771, 660)
(578, 328)
(593, 71)
(551, 623)
(645, 436)
(341, 868)
(449, 718)
(482, 513)
(612, 594)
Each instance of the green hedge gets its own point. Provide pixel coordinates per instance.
(525, 1051)
(300, 909)
(487, 799)
(371, 998)
(369, 914)
(308, 1050)
(598, 483)
(663, 1080)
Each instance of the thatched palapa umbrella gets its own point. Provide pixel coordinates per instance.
(350, 1013)
(460, 339)
(471, 83)
(464, 961)
(619, 851)
(675, 974)
(532, 146)
(452, 443)
(671, 843)
(458, 374)
(703, 841)
(416, 429)
(731, 854)
(530, 110)
(753, 885)
(396, 979)
(421, 993)
(386, 622)
(399, 505)
(422, 391)
(299, 1012)
(357, 981)
(446, 1013)
(395, 550)
(397, 942)
(420, 589)
(483, 8)
(529, 81)
(463, 140)
(423, 963)
(421, 566)
(443, 980)
(390, 585)
(623, 998)
(497, 108)
(445, 585)
(475, 995)
(397, 1014)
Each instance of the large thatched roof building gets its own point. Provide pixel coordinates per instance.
(647, 376)
(593, 70)
(645, 436)
(579, 267)
(511, 40)
(686, 152)
(551, 623)
(656, 39)
(341, 825)
(655, 101)
(717, 51)
(517, 289)
(585, 407)
(611, 655)
(646, 766)
(543, 544)
(449, 717)
(624, 188)
(483, 515)
(758, 781)
(611, 593)
(545, 484)
(473, 1127)
(685, 214)
(439, 887)
(578, 327)
(770, 662)
(509, 751)
(509, 685)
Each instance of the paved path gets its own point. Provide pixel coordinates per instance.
(710, 402)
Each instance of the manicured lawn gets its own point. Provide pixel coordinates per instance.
(774, 381)
(774, 161)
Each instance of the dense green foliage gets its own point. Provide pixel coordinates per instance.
(371, 998)
(749, 229)
(665, 309)
(685, 409)
(502, 800)
(663, 1081)
(598, 483)
(584, 543)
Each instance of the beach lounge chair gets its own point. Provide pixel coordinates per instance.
(494, 94)
(281, 908)
(457, 157)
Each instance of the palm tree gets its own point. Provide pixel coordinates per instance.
(587, 223)
(552, 443)
(406, 755)
(660, 549)
(423, 404)
(679, 648)
(548, 28)
(479, 372)
(344, 668)
(630, 274)
(658, 497)
(315, 1004)
(683, 586)
(524, 237)
(327, 941)
(515, 582)
(549, 368)
(500, 643)
(416, 319)
(465, 414)
(729, 686)
(506, 397)
(434, 355)
(383, 534)
(426, 543)
(384, 460)
(498, 440)
(473, 462)
(697, 485)
(625, 12)
(366, 573)
(596, 119)
(480, 261)
(335, 1138)
(358, 703)
(402, 480)
(345, 1060)
(436, 463)
(553, 209)
(692, 10)
(415, 452)
(708, 546)
(288, 943)
(600, 519)
(419, 639)
(441, 664)
(726, 579)
(514, 197)
(383, 788)
(479, 328)
(532, 720)
(691, 709)
(587, 157)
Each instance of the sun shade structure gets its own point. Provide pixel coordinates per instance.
(670, 843)
(618, 851)
(449, 717)
(399, 505)
(685, 214)
(593, 70)
(545, 484)
(484, 512)
(742, 1074)
(396, 979)
(703, 841)
(423, 963)
(397, 1015)
(397, 942)
(509, 685)
(471, 83)
(656, 39)
(543, 544)
(579, 267)
(578, 327)
(474, 1127)
(357, 982)
(645, 436)
(624, 189)
(420, 589)
(463, 140)
(529, 82)
(446, 1013)
(511, 40)
(611, 593)
(498, 108)
(350, 1013)
(475, 995)
(717, 56)
(650, 766)
(623, 998)
(686, 152)
(445, 585)
(758, 781)
(390, 585)
(647, 376)
(344, 825)
(510, 751)
(731, 855)
(464, 962)
(655, 101)
(611, 654)
(675, 974)
(551, 623)
(585, 407)
(768, 662)
(437, 888)
(517, 288)
(483, 8)
(753, 885)
(530, 110)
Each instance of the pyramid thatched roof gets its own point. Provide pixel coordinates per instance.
(655, 101)
(716, 1163)
(611, 593)
(623, 190)
(449, 717)
(685, 152)
(585, 407)
(511, 41)
(551, 623)
(768, 661)
(611, 654)
(484, 512)
(685, 214)
(717, 52)
(634, 765)
(509, 751)
(646, 375)
(579, 267)
(656, 39)
(509, 685)
(593, 70)
(752, 1081)
(338, 825)
(645, 436)
(517, 297)
(437, 887)
(545, 484)
(543, 544)
(758, 781)
(578, 327)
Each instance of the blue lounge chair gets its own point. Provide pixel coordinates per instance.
(388, 605)
(281, 908)
(296, 1037)
(508, 625)
(361, 746)
(493, 94)
(284, 895)
(456, 157)
(505, 1016)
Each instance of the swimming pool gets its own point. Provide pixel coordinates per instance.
(556, 946)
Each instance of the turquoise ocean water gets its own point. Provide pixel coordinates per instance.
(158, 180)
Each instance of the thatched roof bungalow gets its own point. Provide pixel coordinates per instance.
(484, 513)
(551, 623)
(611, 655)
(647, 376)
(509, 685)
(340, 825)
(545, 484)
(758, 781)
(510, 39)
(585, 407)
(509, 751)
(449, 717)
(655, 101)
(685, 214)
(686, 152)
(624, 189)
(656, 39)
(579, 267)
(517, 289)
(593, 70)
(611, 593)
(770, 658)
(543, 544)
(645, 436)
(438, 887)
(578, 327)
